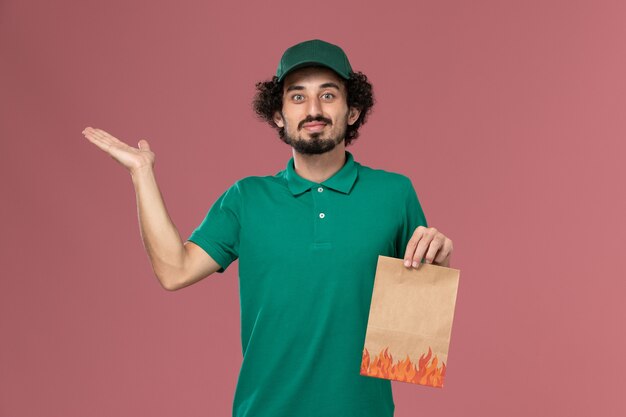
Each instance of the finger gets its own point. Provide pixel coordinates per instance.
(108, 138)
(98, 141)
(444, 253)
(96, 132)
(410, 250)
(436, 245)
(411, 245)
(110, 143)
(422, 246)
(96, 135)
(420, 251)
(143, 145)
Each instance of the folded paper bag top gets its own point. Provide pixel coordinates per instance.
(410, 322)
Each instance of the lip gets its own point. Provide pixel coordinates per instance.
(314, 126)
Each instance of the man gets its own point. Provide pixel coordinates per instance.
(307, 240)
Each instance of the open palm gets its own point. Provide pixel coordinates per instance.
(131, 158)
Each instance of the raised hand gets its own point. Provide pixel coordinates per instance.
(133, 159)
(430, 244)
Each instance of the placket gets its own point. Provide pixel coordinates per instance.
(322, 217)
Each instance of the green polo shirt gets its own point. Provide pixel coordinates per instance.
(307, 258)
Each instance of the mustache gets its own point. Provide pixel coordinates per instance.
(314, 119)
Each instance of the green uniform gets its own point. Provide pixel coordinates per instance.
(307, 259)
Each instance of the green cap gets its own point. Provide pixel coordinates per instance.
(314, 52)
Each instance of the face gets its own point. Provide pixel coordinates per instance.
(315, 112)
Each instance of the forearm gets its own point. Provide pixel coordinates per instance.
(160, 237)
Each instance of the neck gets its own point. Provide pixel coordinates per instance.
(319, 168)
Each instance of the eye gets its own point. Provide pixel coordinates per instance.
(330, 95)
(297, 97)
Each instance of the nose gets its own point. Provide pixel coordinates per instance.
(314, 108)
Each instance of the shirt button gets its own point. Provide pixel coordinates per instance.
(322, 215)
(320, 189)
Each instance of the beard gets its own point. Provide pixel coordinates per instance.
(316, 144)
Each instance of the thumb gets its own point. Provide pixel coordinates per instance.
(143, 145)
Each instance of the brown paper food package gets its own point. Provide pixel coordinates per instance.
(410, 322)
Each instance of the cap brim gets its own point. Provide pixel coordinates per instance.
(309, 64)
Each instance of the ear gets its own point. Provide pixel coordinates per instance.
(353, 115)
(278, 119)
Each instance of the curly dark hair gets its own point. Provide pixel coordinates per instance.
(269, 99)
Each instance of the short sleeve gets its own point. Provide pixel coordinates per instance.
(412, 217)
(219, 232)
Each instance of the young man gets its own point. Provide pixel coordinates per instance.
(307, 239)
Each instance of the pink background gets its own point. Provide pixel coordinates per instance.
(508, 116)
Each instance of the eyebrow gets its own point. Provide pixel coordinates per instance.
(325, 85)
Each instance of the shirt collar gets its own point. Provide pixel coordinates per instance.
(341, 181)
